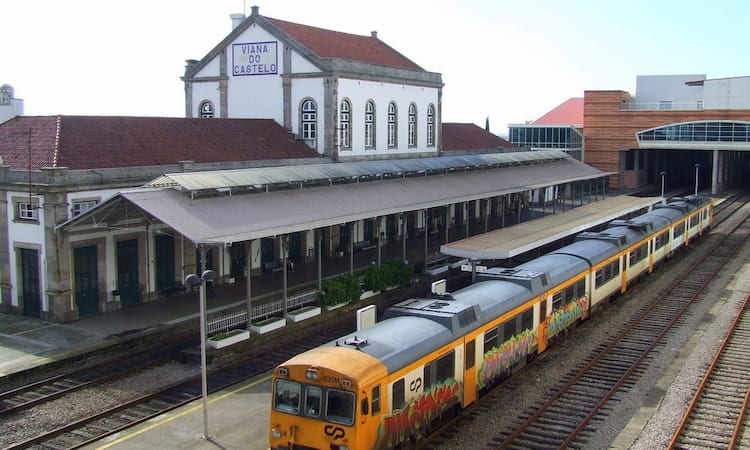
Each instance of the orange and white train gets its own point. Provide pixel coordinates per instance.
(392, 383)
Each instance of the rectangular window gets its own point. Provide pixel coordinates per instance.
(557, 298)
(81, 206)
(679, 229)
(376, 400)
(287, 396)
(470, 354)
(490, 339)
(446, 367)
(399, 393)
(313, 398)
(527, 319)
(340, 407)
(27, 211)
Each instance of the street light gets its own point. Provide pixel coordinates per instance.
(696, 179)
(663, 200)
(194, 280)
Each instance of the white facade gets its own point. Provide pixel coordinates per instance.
(260, 72)
(686, 92)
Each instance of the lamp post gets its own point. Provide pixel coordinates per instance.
(663, 200)
(195, 280)
(696, 179)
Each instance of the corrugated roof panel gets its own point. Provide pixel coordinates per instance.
(197, 181)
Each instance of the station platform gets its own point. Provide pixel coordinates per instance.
(27, 342)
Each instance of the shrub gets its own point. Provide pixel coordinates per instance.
(342, 289)
(392, 272)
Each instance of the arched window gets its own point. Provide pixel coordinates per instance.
(431, 126)
(345, 134)
(412, 125)
(309, 119)
(206, 109)
(392, 125)
(370, 124)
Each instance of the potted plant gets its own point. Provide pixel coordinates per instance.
(267, 325)
(340, 291)
(227, 338)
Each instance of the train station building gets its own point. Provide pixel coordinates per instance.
(307, 154)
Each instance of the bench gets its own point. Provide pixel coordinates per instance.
(364, 245)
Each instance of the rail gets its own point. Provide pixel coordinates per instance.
(225, 321)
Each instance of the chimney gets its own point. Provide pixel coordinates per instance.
(374, 34)
(237, 19)
(254, 12)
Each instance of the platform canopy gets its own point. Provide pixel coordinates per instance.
(511, 241)
(230, 218)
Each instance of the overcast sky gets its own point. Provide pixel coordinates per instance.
(511, 61)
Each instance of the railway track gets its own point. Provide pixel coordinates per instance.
(15, 400)
(128, 414)
(570, 413)
(716, 414)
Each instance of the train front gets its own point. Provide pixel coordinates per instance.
(326, 398)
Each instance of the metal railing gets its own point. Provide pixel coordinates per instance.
(225, 321)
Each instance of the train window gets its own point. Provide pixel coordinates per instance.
(661, 240)
(510, 328)
(580, 288)
(693, 221)
(490, 339)
(527, 319)
(569, 294)
(340, 407)
(679, 230)
(501, 334)
(446, 366)
(639, 254)
(399, 394)
(542, 311)
(557, 300)
(376, 400)
(428, 376)
(470, 354)
(313, 397)
(287, 396)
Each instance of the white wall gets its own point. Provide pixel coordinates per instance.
(658, 88)
(359, 92)
(727, 93)
(28, 234)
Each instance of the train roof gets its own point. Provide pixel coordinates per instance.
(558, 267)
(621, 234)
(593, 251)
(352, 363)
(397, 341)
(493, 297)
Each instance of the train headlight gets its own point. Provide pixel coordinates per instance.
(283, 371)
(311, 374)
(275, 432)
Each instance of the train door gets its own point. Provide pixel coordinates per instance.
(470, 373)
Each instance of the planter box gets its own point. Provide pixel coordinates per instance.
(367, 294)
(267, 326)
(303, 313)
(233, 337)
(336, 306)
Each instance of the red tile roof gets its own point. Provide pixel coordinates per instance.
(569, 112)
(94, 142)
(335, 44)
(470, 137)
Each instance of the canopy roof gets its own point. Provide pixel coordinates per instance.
(235, 218)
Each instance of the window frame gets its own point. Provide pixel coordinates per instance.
(91, 202)
(309, 119)
(370, 128)
(392, 125)
(345, 125)
(206, 109)
(23, 206)
(412, 131)
(431, 125)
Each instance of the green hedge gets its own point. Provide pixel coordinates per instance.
(392, 272)
(342, 289)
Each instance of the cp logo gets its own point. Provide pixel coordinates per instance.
(334, 432)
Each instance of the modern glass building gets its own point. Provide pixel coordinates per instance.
(559, 129)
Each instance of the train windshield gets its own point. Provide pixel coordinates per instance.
(336, 405)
